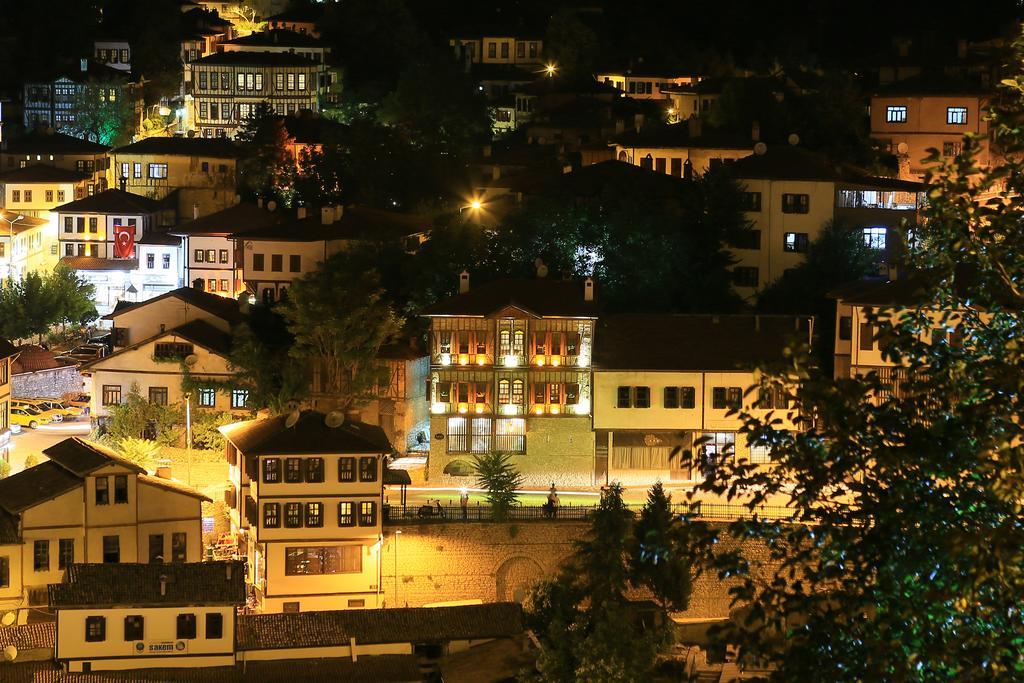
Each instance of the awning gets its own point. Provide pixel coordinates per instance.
(652, 439)
(396, 477)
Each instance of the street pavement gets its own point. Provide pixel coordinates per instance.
(34, 441)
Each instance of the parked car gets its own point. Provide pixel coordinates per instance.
(82, 401)
(33, 405)
(66, 410)
(27, 417)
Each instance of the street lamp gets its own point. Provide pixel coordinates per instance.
(10, 254)
(188, 437)
(550, 69)
(398, 532)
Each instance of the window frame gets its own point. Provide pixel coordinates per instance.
(95, 629)
(185, 625)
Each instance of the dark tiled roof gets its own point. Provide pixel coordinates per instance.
(204, 334)
(111, 201)
(310, 435)
(602, 178)
(356, 223)
(37, 484)
(159, 237)
(678, 135)
(97, 263)
(694, 342)
(137, 585)
(216, 148)
(52, 142)
(278, 37)
(934, 84)
(538, 296)
(786, 162)
(237, 218)
(377, 626)
(41, 173)
(223, 307)
(32, 358)
(173, 486)
(9, 531)
(28, 636)
(905, 292)
(80, 457)
(246, 58)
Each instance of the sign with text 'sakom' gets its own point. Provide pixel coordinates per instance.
(161, 647)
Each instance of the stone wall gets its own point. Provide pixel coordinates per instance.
(54, 383)
(439, 562)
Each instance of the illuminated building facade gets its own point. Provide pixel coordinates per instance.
(48, 147)
(7, 355)
(304, 499)
(790, 195)
(511, 372)
(657, 403)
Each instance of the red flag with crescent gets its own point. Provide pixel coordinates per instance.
(124, 241)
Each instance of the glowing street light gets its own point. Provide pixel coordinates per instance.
(550, 69)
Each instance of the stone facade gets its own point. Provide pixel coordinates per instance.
(52, 383)
(493, 562)
(558, 450)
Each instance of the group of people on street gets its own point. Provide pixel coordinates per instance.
(550, 508)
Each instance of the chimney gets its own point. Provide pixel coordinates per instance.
(327, 215)
(259, 202)
(755, 131)
(463, 282)
(588, 289)
(163, 469)
(195, 211)
(163, 585)
(83, 64)
(693, 126)
(301, 213)
(339, 211)
(638, 122)
(487, 151)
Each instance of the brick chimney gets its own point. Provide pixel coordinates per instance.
(588, 289)
(463, 282)
(300, 213)
(327, 215)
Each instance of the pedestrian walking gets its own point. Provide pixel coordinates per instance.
(553, 502)
(464, 502)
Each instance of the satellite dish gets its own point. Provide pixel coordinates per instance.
(10, 653)
(9, 618)
(335, 419)
(293, 406)
(292, 418)
(793, 139)
(191, 359)
(760, 148)
(902, 148)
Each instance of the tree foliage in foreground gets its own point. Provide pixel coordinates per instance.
(907, 559)
(588, 629)
(32, 305)
(500, 478)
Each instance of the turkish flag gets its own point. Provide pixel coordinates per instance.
(124, 241)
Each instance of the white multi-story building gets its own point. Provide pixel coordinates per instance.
(791, 195)
(141, 616)
(664, 382)
(151, 341)
(86, 504)
(305, 498)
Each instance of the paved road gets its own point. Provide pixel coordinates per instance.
(33, 441)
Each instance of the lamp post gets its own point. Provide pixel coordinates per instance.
(398, 532)
(188, 437)
(10, 245)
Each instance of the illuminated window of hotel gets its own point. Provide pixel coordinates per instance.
(952, 148)
(323, 560)
(503, 391)
(795, 242)
(572, 394)
(956, 116)
(314, 515)
(518, 338)
(760, 454)
(556, 344)
(271, 471)
(367, 513)
(555, 393)
(463, 392)
(510, 435)
(368, 469)
(517, 392)
(504, 346)
(271, 515)
(446, 342)
(293, 515)
(572, 344)
(539, 346)
(444, 392)
(480, 393)
(346, 517)
(314, 470)
(463, 342)
(874, 238)
(457, 435)
(895, 114)
(481, 435)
